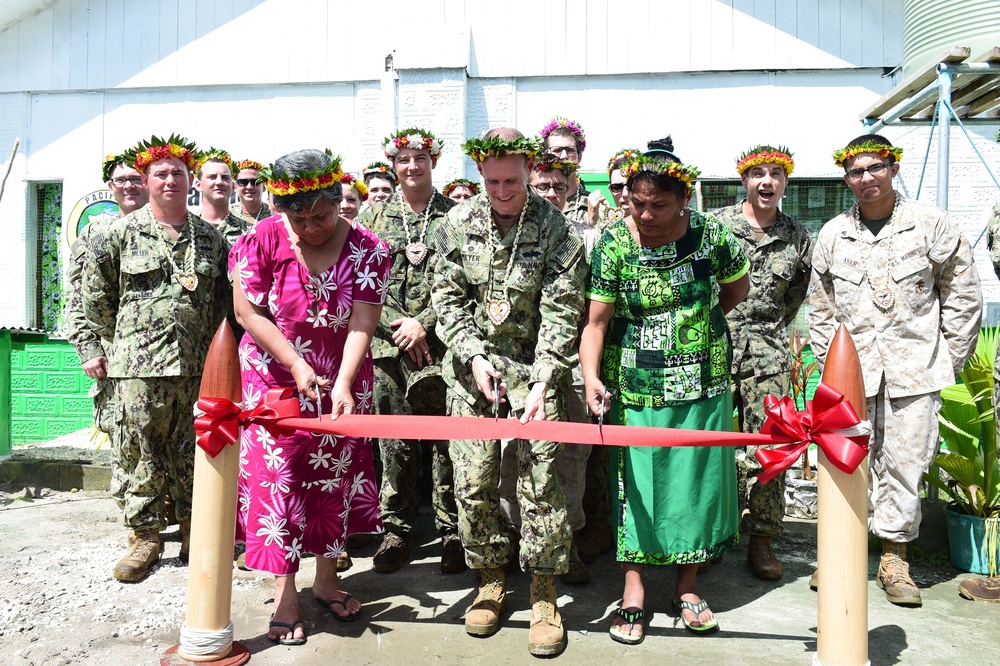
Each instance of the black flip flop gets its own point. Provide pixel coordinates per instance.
(291, 628)
(630, 616)
(329, 603)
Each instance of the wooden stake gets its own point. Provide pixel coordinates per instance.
(842, 532)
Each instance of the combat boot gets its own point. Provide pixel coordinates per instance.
(143, 553)
(483, 618)
(764, 563)
(894, 576)
(546, 636)
(578, 572)
(185, 529)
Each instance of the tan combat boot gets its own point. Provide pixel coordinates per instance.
(894, 576)
(483, 618)
(143, 553)
(185, 529)
(546, 635)
(763, 561)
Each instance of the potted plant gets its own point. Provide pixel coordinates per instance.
(801, 498)
(966, 470)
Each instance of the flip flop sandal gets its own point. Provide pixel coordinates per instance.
(330, 603)
(701, 629)
(291, 627)
(630, 616)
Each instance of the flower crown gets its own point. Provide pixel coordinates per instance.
(156, 148)
(765, 154)
(111, 162)
(413, 138)
(213, 154)
(379, 167)
(283, 184)
(249, 164)
(682, 172)
(623, 154)
(547, 165)
(480, 149)
(882, 149)
(460, 182)
(348, 180)
(571, 125)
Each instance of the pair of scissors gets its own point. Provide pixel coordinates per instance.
(496, 398)
(319, 397)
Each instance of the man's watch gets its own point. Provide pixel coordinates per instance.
(468, 364)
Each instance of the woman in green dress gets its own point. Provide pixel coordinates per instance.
(661, 282)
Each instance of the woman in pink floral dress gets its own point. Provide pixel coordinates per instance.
(308, 289)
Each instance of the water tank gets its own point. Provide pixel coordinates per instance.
(931, 26)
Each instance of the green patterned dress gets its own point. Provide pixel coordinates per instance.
(666, 363)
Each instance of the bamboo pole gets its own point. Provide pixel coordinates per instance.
(213, 519)
(842, 532)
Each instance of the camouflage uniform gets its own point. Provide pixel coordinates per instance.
(780, 264)
(232, 227)
(251, 221)
(909, 352)
(159, 334)
(534, 343)
(88, 344)
(400, 386)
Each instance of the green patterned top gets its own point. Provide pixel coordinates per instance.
(668, 341)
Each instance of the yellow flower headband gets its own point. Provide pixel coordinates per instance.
(156, 149)
(623, 154)
(682, 172)
(546, 165)
(882, 149)
(766, 155)
(112, 161)
(249, 164)
(283, 184)
(213, 154)
(358, 185)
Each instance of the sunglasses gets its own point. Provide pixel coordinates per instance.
(616, 187)
(246, 182)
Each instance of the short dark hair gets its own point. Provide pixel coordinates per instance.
(213, 159)
(564, 131)
(296, 164)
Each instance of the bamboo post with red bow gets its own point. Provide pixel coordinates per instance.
(842, 532)
(207, 632)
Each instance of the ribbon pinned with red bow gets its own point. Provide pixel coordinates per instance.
(819, 422)
(221, 419)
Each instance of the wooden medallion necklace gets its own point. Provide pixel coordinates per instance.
(416, 250)
(187, 277)
(498, 306)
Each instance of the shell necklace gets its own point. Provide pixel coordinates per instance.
(498, 305)
(882, 294)
(187, 277)
(416, 250)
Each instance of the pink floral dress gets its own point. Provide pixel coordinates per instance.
(303, 492)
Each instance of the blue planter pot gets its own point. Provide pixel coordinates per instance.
(966, 536)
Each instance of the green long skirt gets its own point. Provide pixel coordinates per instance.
(676, 505)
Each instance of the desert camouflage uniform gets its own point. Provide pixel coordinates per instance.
(909, 353)
(251, 221)
(534, 343)
(159, 334)
(88, 344)
(780, 264)
(400, 386)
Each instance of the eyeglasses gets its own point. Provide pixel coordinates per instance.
(616, 187)
(246, 182)
(569, 151)
(876, 170)
(542, 188)
(122, 182)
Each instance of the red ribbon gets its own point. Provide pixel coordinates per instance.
(220, 424)
(824, 414)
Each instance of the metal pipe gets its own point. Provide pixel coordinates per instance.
(969, 67)
(944, 133)
(893, 114)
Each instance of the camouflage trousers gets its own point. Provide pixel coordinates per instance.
(545, 533)
(762, 505)
(103, 394)
(398, 495)
(902, 448)
(153, 448)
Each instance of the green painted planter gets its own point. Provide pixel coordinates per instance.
(966, 536)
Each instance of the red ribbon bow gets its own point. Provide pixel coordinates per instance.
(220, 424)
(824, 414)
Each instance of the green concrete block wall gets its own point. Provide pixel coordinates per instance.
(48, 392)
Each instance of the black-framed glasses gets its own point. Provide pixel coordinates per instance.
(876, 169)
(246, 182)
(542, 188)
(122, 181)
(616, 187)
(559, 151)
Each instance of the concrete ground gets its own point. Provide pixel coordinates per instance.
(59, 605)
